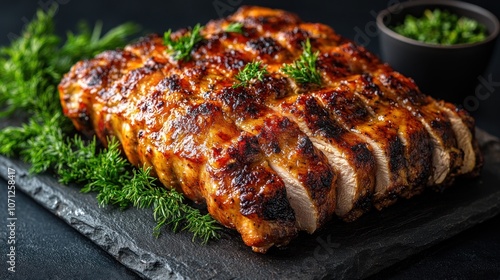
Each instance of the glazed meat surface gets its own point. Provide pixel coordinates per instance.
(273, 157)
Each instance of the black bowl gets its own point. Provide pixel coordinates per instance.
(448, 72)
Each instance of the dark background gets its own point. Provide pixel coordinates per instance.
(48, 247)
(353, 19)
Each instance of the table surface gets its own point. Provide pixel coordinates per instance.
(47, 247)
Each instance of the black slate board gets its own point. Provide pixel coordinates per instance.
(340, 250)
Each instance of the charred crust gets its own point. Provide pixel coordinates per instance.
(318, 119)
(170, 83)
(335, 65)
(364, 202)
(363, 155)
(140, 134)
(405, 88)
(272, 87)
(305, 146)
(265, 46)
(246, 151)
(97, 76)
(359, 53)
(196, 119)
(241, 103)
(132, 79)
(268, 203)
(271, 22)
(296, 37)
(230, 60)
(319, 180)
(420, 156)
(277, 207)
(153, 103)
(344, 105)
(397, 160)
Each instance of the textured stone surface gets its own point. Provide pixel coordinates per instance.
(340, 250)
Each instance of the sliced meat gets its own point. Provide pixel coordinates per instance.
(413, 135)
(447, 155)
(305, 170)
(271, 157)
(351, 112)
(347, 153)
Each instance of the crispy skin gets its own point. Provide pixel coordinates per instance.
(274, 157)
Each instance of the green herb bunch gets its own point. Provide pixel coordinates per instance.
(251, 71)
(31, 70)
(303, 70)
(181, 47)
(36, 61)
(235, 27)
(442, 27)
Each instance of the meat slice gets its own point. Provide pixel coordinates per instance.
(348, 65)
(347, 153)
(447, 155)
(305, 170)
(413, 135)
(350, 111)
(464, 126)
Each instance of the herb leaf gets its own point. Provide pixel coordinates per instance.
(303, 70)
(235, 27)
(181, 48)
(25, 69)
(252, 70)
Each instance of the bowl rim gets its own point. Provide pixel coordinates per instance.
(451, 3)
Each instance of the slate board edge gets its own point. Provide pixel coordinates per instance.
(124, 250)
(120, 249)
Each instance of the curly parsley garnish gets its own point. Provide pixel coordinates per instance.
(253, 70)
(235, 27)
(442, 27)
(31, 70)
(303, 70)
(181, 47)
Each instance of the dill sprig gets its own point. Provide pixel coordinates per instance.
(303, 70)
(235, 27)
(251, 71)
(181, 47)
(117, 182)
(36, 61)
(25, 67)
(31, 69)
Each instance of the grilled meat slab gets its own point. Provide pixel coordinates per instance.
(274, 157)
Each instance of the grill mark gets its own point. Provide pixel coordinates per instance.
(265, 46)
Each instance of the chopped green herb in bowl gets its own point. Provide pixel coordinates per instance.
(442, 27)
(444, 45)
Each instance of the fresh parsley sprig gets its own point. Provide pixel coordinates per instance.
(235, 27)
(303, 70)
(31, 69)
(442, 27)
(181, 47)
(251, 71)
